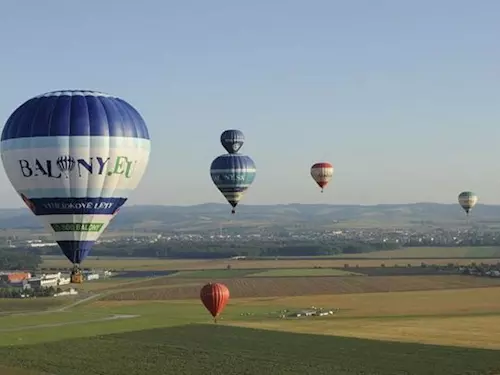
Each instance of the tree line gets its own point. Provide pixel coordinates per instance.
(210, 250)
(19, 259)
(9, 292)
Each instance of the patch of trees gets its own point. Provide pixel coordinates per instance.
(217, 250)
(27, 293)
(15, 259)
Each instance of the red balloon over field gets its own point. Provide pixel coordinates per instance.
(215, 297)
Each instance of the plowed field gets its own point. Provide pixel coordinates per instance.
(289, 286)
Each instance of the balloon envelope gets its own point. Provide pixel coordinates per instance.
(214, 297)
(233, 174)
(74, 157)
(467, 200)
(322, 173)
(232, 140)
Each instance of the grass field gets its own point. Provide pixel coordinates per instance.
(281, 272)
(205, 349)
(302, 272)
(255, 287)
(157, 325)
(40, 304)
(7, 370)
(214, 274)
(433, 317)
(433, 252)
(174, 264)
(174, 336)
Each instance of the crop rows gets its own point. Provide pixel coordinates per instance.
(299, 286)
(214, 350)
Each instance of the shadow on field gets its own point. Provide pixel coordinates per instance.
(217, 349)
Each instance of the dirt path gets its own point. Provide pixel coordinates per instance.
(76, 303)
(49, 311)
(62, 324)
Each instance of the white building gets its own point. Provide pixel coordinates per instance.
(91, 276)
(39, 243)
(48, 276)
(38, 282)
(64, 280)
(48, 280)
(70, 292)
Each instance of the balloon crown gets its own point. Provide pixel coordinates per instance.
(232, 140)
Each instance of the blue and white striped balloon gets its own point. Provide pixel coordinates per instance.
(233, 174)
(75, 157)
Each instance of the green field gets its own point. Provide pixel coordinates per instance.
(214, 274)
(12, 305)
(178, 337)
(431, 255)
(302, 272)
(381, 325)
(432, 252)
(208, 349)
(280, 272)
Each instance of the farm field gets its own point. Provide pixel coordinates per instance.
(303, 272)
(362, 315)
(384, 325)
(255, 287)
(166, 335)
(255, 272)
(176, 264)
(232, 350)
(432, 317)
(13, 305)
(433, 252)
(214, 274)
(107, 284)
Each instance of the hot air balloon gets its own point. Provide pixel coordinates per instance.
(232, 140)
(233, 174)
(322, 173)
(74, 157)
(467, 200)
(214, 297)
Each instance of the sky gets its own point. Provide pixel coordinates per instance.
(403, 98)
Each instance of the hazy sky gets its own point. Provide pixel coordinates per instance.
(403, 97)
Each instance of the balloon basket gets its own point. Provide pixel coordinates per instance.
(76, 277)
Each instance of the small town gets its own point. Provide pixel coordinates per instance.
(20, 284)
(402, 236)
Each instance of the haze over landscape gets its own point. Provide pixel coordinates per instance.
(388, 271)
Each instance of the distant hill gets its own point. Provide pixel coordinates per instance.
(212, 216)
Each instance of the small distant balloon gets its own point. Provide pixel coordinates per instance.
(232, 140)
(214, 297)
(322, 173)
(467, 200)
(233, 174)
